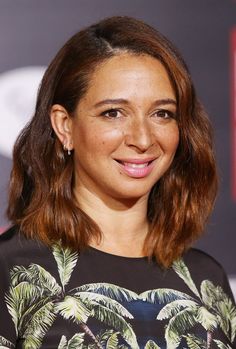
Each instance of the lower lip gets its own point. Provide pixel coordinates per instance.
(137, 172)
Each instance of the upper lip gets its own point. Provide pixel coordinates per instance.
(136, 161)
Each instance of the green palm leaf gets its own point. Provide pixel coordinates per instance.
(66, 261)
(37, 276)
(232, 317)
(194, 342)
(173, 308)
(71, 308)
(92, 299)
(5, 344)
(181, 269)
(208, 320)
(112, 342)
(177, 327)
(117, 322)
(221, 345)
(163, 295)
(76, 341)
(39, 308)
(29, 296)
(32, 309)
(38, 326)
(210, 293)
(151, 345)
(227, 317)
(216, 299)
(108, 339)
(19, 299)
(63, 343)
(109, 290)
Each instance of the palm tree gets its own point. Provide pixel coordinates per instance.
(35, 298)
(178, 308)
(94, 300)
(214, 300)
(31, 306)
(211, 308)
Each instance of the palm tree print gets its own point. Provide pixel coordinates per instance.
(211, 308)
(222, 345)
(35, 299)
(194, 341)
(5, 344)
(151, 345)
(108, 339)
(76, 342)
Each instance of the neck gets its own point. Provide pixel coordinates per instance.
(123, 223)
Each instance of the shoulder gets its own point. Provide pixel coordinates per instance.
(205, 267)
(8, 234)
(16, 249)
(8, 240)
(194, 255)
(12, 240)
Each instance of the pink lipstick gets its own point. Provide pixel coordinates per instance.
(136, 168)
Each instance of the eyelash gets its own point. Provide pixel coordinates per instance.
(110, 111)
(159, 113)
(169, 114)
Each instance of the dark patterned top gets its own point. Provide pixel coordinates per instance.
(56, 298)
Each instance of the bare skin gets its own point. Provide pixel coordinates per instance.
(124, 228)
(124, 135)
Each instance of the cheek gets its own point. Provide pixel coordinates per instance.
(95, 139)
(175, 139)
(169, 138)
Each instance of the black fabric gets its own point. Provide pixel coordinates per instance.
(96, 298)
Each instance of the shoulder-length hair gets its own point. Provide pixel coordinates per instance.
(41, 199)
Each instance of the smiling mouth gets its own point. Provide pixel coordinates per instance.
(136, 169)
(133, 165)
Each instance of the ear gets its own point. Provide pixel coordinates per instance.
(62, 125)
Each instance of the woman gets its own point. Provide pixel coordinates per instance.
(112, 181)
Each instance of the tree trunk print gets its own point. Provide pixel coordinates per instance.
(87, 331)
(209, 339)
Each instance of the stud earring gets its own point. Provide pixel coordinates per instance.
(67, 149)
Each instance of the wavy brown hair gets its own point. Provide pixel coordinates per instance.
(41, 200)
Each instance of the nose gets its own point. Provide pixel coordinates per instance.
(139, 134)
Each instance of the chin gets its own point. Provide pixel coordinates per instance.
(132, 194)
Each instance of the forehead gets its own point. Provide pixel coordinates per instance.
(128, 74)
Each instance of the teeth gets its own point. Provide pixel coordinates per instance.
(136, 165)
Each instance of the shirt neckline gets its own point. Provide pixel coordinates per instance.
(108, 254)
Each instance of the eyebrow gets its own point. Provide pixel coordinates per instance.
(157, 103)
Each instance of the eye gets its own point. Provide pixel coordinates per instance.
(111, 113)
(164, 114)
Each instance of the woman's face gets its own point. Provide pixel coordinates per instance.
(124, 130)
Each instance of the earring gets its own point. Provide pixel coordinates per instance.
(66, 149)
